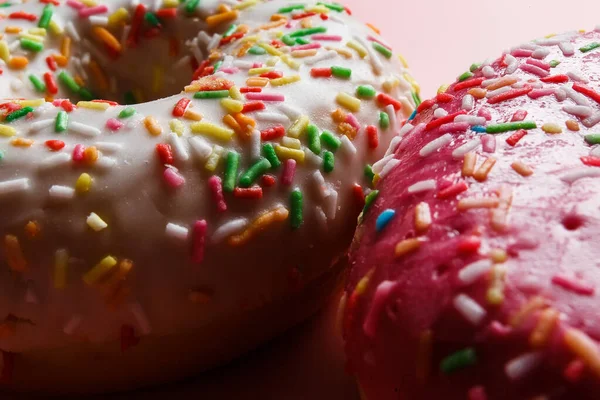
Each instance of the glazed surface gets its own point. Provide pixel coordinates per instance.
(474, 273)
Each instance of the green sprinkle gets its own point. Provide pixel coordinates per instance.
(254, 172)
(86, 94)
(1, 156)
(593, 138)
(366, 91)
(416, 98)
(289, 9)
(341, 72)
(62, 121)
(152, 19)
(46, 17)
(328, 161)
(589, 47)
(369, 200)
(314, 140)
(129, 98)
(230, 31)
(333, 6)
(217, 65)
(127, 112)
(18, 114)
(191, 5)
(302, 41)
(288, 40)
(510, 126)
(257, 51)
(465, 76)
(554, 63)
(5, 5)
(232, 164)
(68, 81)
(31, 45)
(37, 83)
(474, 67)
(269, 153)
(387, 53)
(459, 360)
(308, 31)
(330, 140)
(369, 174)
(296, 217)
(212, 94)
(384, 120)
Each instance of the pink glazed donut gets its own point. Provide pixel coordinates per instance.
(474, 268)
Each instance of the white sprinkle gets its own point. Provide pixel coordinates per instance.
(229, 228)
(98, 20)
(435, 145)
(439, 113)
(470, 119)
(321, 217)
(214, 42)
(488, 72)
(389, 167)
(59, 192)
(469, 309)
(468, 102)
(391, 112)
(322, 56)
(179, 147)
(577, 76)
(182, 62)
(71, 31)
(98, 55)
(241, 64)
(540, 53)
(14, 186)
(579, 111)
(157, 4)
(591, 120)
(347, 146)
(378, 166)
(393, 145)
(200, 147)
(177, 231)
(576, 96)
(408, 127)
(109, 147)
(422, 186)
(498, 91)
(272, 117)
(196, 52)
(524, 364)
(313, 159)
(292, 112)
(567, 48)
(331, 204)
(511, 63)
(580, 173)
(203, 37)
(320, 184)
(39, 125)
(373, 56)
(55, 160)
(140, 317)
(16, 85)
(471, 145)
(560, 94)
(95, 222)
(72, 324)
(82, 129)
(105, 162)
(472, 272)
(595, 151)
(255, 145)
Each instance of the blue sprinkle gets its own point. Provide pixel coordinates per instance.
(413, 115)
(478, 128)
(383, 219)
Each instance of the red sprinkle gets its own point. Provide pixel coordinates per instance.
(574, 371)
(231, 38)
(453, 190)
(469, 244)
(304, 15)
(51, 63)
(165, 154)
(253, 106)
(359, 194)
(519, 115)
(425, 105)
(216, 187)
(272, 74)
(321, 73)
(22, 15)
(254, 192)
(268, 180)
(468, 84)
(555, 79)
(200, 69)
(591, 161)
(51, 85)
(199, 234)
(511, 94)
(180, 107)
(55, 145)
(324, 17)
(67, 105)
(372, 136)
(444, 97)
(443, 120)
(573, 285)
(272, 133)
(136, 25)
(166, 13)
(515, 137)
(587, 91)
(385, 100)
(250, 90)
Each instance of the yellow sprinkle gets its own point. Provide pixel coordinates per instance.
(292, 143)
(342, 52)
(480, 202)
(286, 80)
(21, 142)
(422, 217)
(84, 183)
(442, 89)
(252, 38)
(65, 46)
(272, 61)
(403, 60)
(99, 270)
(495, 292)
(119, 17)
(152, 126)
(235, 93)
(391, 84)
(158, 74)
(221, 18)
(214, 158)
(362, 52)
(526, 310)
(349, 102)
(407, 246)
(89, 3)
(481, 174)
(232, 106)
(521, 168)
(93, 105)
(290, 62)
(287, 153)
(30, 103)
(177, 126)
(61, 264)
(270, 49)
(585, 348)
(192, 115)
(258, 225)
(259, 71)
(544, 327)
(14, 254)
(4, 51)
(37, 31)
(245, 4)
(304, 53)
(412, 82)
(498, 256)
(318, 9)
(299, 126)
(95, 222)
(7, 131)
(55, 28)
(171, 3)
(212, 130)
(29, 36)
(551, 128)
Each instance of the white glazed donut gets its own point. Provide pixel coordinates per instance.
(143, 243)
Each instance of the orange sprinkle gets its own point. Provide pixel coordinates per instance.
(245, 121)
(262, 82)
(585, 348)
(99, 75)
(152, 126)
(21, 142)
(572, 125)
(477, 93)
(18, 62)
(14, 254)
(273, 25)
(342, 52)
(304, 53)
(306, 23)
(32, 229)
(278, 17)
(499, 216)
(543, 329)
(470, 160)
(339, 116)
(505, 81)
(535, 303)
(482, 173)
(407, 246)
(12, 29)
(90, 154)
(374, 28)
(107, 38)
(522, 168)
(259, 225)
(243, 50)
(65, 46)
(60, 60)
(478, 202)
(232, 123)
(348, 130)
(192, 115)
(221, 18)
(79, 80)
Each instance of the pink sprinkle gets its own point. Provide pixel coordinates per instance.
(485, 113)
(452, 127)
(257, 65)
(537, 93)
(477, 393)
(57, 102)
(573, 372)
(89, 11)
(78, 152)
(534, 70)
(289, 169)
(332, 38)
(309, 46)
(173, 178)
(75, 4)
(351, 119)
(374, 39)
(199, 234)
(230, 70)
(498, 329)
(538, 63)
(216, 187)
(488, 143)
(519, 115)
(381, 297)
(265, 96)
(521, 53)
(114, 124)
(572, 285)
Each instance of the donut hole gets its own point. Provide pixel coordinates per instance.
(572, 222)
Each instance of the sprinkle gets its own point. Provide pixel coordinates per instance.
(481, 174)
(469, 309)
(216, 187)
(313, 138)
(580, 173)
(349, 102)
(387, 53)
(406, 246)
(589, 47)
(584, 347)
(523, 365)
(459, 360)
(177, 231)
(126, 112)
(99, 270)
(422, 186)
(435, 145)
(383, 219)
(269, 97)
(7, 131)
(199, 240)
(18, 62)
(544, 327)
(573, 285)
(254, 172)
(86, 130)
(521, 168)
(68, 81)
(480, 202)
(551, 128)
(510, 126)
(212, 94)
(328, 161)
(95, 222)
(289, 169)
(279, 214)
(296, 209)
(211, 130)
(20, 113)
(14, 254)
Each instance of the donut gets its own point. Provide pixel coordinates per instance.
(179, 180)
(474, 265)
